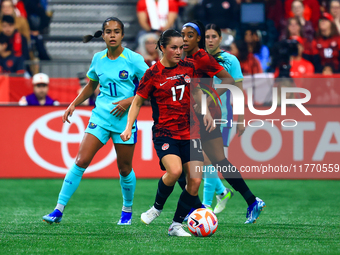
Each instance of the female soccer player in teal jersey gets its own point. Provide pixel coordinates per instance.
(212, 143)
(117, 70)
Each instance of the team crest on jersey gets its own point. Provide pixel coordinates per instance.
(187, 79)
(165, 146)
(92, 125)
(123, 75)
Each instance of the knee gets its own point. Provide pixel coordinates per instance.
(173, 175)
(82, 162)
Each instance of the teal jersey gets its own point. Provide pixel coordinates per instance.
(233, 67)
(118, 80)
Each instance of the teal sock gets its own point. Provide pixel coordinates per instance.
(71, 183)
(128, 185)
(210, 178)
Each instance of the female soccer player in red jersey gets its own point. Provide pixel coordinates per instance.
(175, 135)
(206, 66)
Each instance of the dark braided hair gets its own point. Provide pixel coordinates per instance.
(99, 33)
(166, 36)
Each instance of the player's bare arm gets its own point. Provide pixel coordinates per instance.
(88, 90)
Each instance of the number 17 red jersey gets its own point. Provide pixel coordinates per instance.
(171, 100)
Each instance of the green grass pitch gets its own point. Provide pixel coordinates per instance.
(301, 217)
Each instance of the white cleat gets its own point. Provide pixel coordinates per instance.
(222, 201)
(149, 216)
(177, 230)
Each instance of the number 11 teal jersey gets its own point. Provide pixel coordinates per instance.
(118, 80)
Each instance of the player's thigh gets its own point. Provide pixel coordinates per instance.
(88, 148)
(173, 167)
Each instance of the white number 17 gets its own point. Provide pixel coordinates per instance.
(182, 87)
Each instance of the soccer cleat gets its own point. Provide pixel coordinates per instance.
(149, 216)
(54, 216)
(177, 230)
(125, 218)
(254, 210)
(222, 201)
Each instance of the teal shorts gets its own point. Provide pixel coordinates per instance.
(104, 135)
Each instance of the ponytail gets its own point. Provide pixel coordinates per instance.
(88, 38)
(99, 33)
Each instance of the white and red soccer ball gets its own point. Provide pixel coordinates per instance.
(202, 222)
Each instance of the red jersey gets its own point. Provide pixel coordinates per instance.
(206, 67)
(328, 50)
(171, 100)
(300, 68)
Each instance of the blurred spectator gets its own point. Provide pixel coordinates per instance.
(334, 10)
(249, 64)
(311, 11)
(260, 51)
(298, 10)
(8, 62)
(326, 46)
(300, 66)
(253, 16)
(35, 10)
(156, 15)
(39, 96)
(147, 48)
(328, 70)
(294, 29)
(223, 13)
(21, 24)
(20, 8)
(18, 41)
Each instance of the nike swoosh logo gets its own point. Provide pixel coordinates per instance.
(100, 74)
(196, 221)
(161, 84)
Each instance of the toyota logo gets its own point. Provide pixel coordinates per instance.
(64, 138)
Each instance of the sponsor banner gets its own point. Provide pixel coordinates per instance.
(291, 146)
(36, 144)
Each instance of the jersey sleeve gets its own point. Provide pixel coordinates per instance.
(145, 87)
(235, 69)
(141, 6)
(91, 73)
(140, 66)
(210, 65)
(173, 6)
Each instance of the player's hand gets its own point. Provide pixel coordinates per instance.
(68, 113)
(240, 129)
(126, 135)
(121, 107)
(208, 122)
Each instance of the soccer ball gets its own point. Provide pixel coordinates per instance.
(202, 222)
